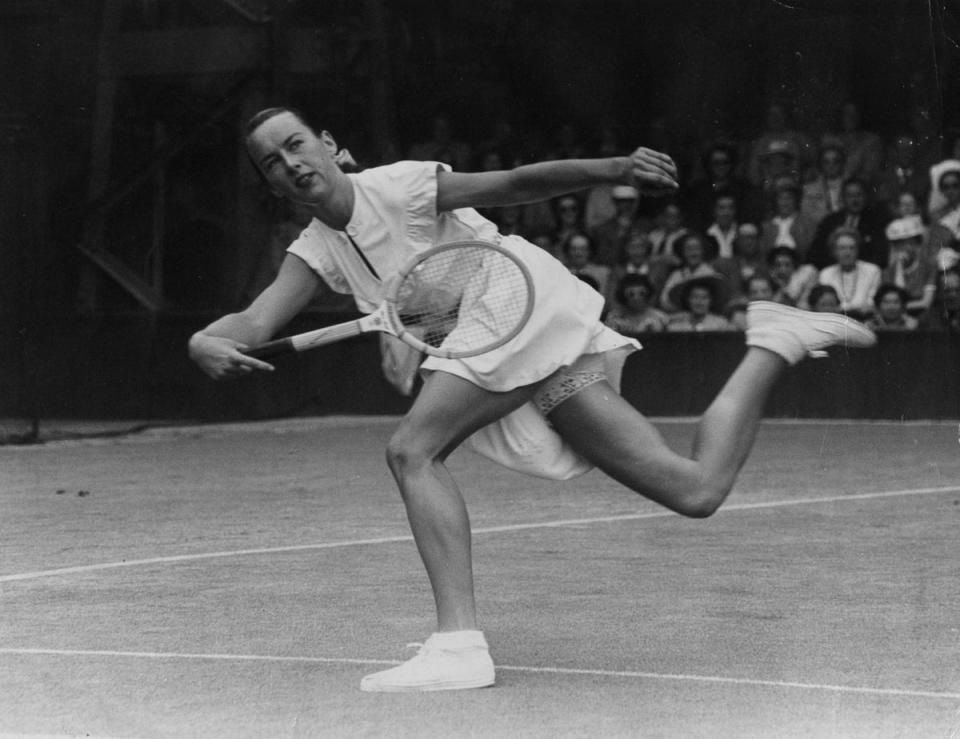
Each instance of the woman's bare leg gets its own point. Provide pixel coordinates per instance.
(614, 436)
(447, 411)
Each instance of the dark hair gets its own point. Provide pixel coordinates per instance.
(258, 119)
(633, 280)
(818, 291)
(783, 251)
(721, 147)
(889, 287)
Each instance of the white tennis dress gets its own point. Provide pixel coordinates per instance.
(395, 217)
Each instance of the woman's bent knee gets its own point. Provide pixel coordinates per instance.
(701, 502)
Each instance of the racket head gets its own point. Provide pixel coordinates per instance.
(460, 299)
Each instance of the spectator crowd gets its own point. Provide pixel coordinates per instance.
(851, 222)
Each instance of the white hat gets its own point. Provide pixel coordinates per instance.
(904, 228)
(624, 192)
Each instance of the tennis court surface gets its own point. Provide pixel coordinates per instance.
(238, 581)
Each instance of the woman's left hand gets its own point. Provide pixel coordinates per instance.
(653, 173)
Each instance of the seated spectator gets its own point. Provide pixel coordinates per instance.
(778, 138)
(762, 286)
(633, 312)
(864, 147)
(891, 310)
(578, 256)
(789, 226)
(910, 269)
(902, 175)
(691, 254)
(869, 222)
(699, 298)
(944, 236)
(855, 280)
(722, 231)
(719, 176)
(637, 261)
(569, 219)
(944, 315)
(747, 260)
(669, 229)
(779, 165)
(610, 237)
(823, 193)
(824, 299)
(795, 280)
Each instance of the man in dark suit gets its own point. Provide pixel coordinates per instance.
(871, 222)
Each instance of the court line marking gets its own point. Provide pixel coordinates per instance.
(717, 679)
(507, 528)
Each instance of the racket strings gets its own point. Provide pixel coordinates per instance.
(475, 296)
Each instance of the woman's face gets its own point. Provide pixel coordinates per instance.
(786, 203)
(951, 189)
(783, 268)
(907, 205)
(635, 297)
(296, 163)
(638, 248)
(891, 307)
(759, 290)
(569, 212)
(578, 251)
(693, 252)
(699, 301)
(827, 303)
(845, 251)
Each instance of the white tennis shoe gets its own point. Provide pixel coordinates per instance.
(793, 333)
(446, 661)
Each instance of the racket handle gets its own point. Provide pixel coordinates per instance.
(274, 348)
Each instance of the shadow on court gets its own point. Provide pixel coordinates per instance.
(238, 581)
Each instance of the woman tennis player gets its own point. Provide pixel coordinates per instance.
(545, 403)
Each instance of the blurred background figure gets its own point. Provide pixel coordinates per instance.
(778, 140)
(823, 194)
(610, 237)
(632, 312)
(578, 255)
(796, 280)
(691, 252)
(869, 222)
(854, 280)
(824, 299)
(891, 310)
(945, 313)
(902, 176)
(700, 300)
(864, 148)
(910, 267)
(788, 226)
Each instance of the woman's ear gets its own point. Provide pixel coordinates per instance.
(328, 142)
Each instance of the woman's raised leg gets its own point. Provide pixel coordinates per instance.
(614, 436)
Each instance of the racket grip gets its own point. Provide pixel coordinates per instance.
(274, 348)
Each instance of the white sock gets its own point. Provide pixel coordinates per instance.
(458, 639)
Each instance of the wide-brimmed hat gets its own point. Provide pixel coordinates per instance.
(715, 283)
(783, 147)
(900, 229)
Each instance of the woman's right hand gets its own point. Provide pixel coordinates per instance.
(223, 359)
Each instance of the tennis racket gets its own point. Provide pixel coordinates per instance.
(454, 300)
